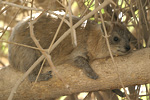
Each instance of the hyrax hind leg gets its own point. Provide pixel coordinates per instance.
(43, 76)
(83, 63)
(22, 58)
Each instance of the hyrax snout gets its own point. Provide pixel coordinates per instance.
(121, 40)
(90, 40)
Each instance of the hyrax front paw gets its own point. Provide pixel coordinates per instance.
(83, 63)
(47, 76)
(42, 77)
(92, 75)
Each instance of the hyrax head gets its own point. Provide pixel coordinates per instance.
(119, 38)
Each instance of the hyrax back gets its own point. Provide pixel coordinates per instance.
(91, 45)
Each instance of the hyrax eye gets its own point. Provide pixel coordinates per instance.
(129, 39)
(116, 39)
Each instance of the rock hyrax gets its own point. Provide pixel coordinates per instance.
(90, 40)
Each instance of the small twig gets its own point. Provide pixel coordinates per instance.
(113, 15)
(42, 65)
(138, 89)
(87, 8)
(19, 6)
(115, 64)
(88, 96)
(146, 87)
(23, 45)
(58, 29)
(73, 31)
(146, 22)
(96, 14)
(43, 12)
(6, 8)
(61, 4)
(144, 95)
(31, 10)
(39, 73)
(134, 22)
(41, 49)
(133, 14)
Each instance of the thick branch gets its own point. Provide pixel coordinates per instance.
(133, 69)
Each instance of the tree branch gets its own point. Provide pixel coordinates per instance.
(132, 68)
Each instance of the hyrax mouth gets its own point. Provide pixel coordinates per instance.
(127, 48)
(124, 51)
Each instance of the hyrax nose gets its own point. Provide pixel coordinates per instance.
(127, 48)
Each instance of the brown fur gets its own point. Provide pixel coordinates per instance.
(91, 45)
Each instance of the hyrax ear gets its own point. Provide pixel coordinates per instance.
(108, 26)
(92, 26)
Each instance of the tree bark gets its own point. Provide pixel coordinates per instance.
(132, 69)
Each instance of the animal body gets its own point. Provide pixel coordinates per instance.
(90, 40)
